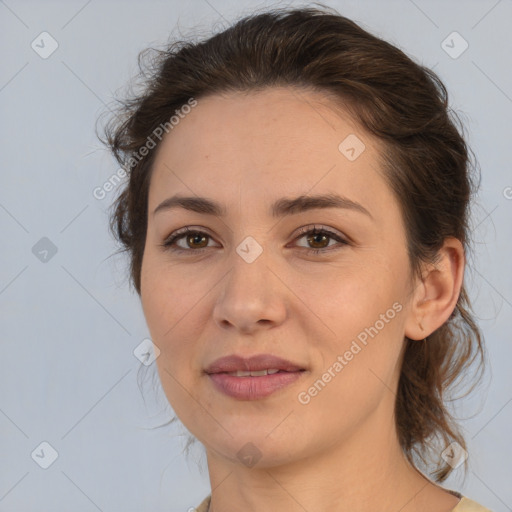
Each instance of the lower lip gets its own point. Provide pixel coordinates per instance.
(253, 388)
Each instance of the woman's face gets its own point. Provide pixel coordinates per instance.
(249, 282)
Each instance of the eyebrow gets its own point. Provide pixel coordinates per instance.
(280, 208)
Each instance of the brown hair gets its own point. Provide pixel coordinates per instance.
(426, 162)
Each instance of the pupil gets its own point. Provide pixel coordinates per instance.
(313, 237)
(195, 238)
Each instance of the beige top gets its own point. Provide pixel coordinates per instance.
(464, 505)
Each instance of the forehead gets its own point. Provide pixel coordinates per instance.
(242, 123)
(266, 143)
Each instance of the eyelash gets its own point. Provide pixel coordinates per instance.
(183, 232)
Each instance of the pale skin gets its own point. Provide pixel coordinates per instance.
(340, 451)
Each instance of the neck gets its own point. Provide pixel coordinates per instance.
(367, 473)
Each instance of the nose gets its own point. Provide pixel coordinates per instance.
(251, 297)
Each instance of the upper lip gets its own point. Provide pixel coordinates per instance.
(258, 362)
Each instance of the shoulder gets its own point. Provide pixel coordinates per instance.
(203, 507)
(468, 505)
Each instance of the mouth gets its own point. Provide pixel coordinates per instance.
(257, 363)
(254, 373)
(253, 378)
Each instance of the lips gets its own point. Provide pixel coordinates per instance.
(254, 373)
(257, 363)
(253, 378)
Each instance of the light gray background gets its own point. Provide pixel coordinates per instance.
(68, 375)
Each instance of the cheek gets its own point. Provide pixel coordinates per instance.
(358, 358)
(163, 313)
(173, 307)
(346, 299)
(355, 378)
(168, 296)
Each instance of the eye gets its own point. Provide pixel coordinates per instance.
(193, 239)
(319, 238)
(197, 241)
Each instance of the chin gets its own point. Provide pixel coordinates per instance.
(253, 447)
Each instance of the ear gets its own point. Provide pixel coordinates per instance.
(437, 292)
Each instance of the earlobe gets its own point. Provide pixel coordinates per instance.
(437, 292)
